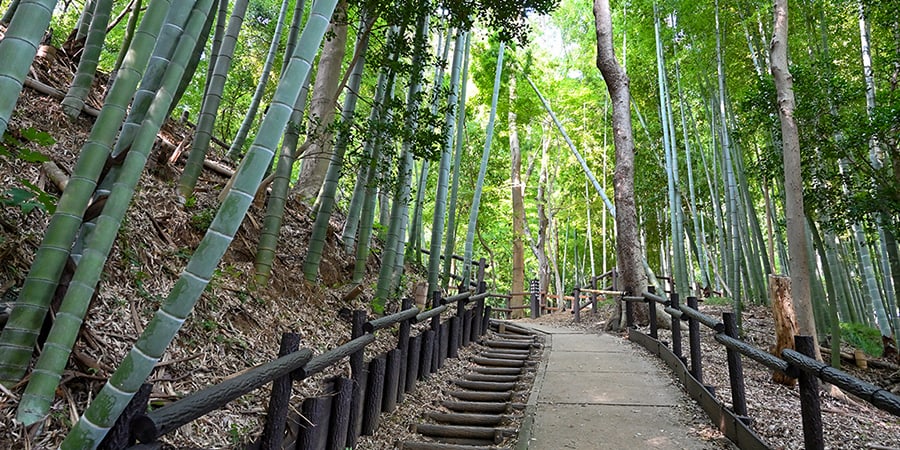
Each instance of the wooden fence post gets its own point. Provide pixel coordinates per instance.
(342, 389)
(535, 302)
(357, 373)
(436, 327)
(403, 345)
(412, 366)
(809, 398)
(576, 303)
(694, 337)
(651, 312)
(594, 295)
(391, 381)
(315, 433)
(374, 392)
(273, 431)
(676, 328)
(735, 370)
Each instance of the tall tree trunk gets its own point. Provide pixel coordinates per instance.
(628, 246)
(322, 107)
(793, 183)
(518, 208)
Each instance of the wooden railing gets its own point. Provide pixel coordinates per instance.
(351, 406)
(734, 422)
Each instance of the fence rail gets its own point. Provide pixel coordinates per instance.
(800, 364)
(353, 405)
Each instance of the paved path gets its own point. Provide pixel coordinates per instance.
(594, 392)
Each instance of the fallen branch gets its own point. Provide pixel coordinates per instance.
(57, 94)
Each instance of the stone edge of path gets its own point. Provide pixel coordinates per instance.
(525, 430)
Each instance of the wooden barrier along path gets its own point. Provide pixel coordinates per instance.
(486, 402)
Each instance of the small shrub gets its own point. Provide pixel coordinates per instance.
(863, 337)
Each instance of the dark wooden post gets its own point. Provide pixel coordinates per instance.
(735, 370)
(342, 389)
(436, 327)
(466, 327)
(120, 434)
(273, 431)
(357, 374)
(391, 381)
(479, 310)
(535, 299)
(314, 433)
(694, 338)
(453, 339)
(676, 328)
(403, 345)
(374, 393)
(576, 303)
(594, 295)
(412, 365)
(651, 313)
(461, 315)
(427, 352)
(443, 344)
(809, 398)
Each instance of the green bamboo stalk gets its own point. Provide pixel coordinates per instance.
(485, 155)
(440, 201)
(18, 337)
(237, 144)
(281, 185)
(211, 101)
(73, 102)
(38, 395)
(10, 11)
(82, 28)
(140, 361)
(216, 46)
(332, 177)
(450, 242)
(126, 42)
(17, 51)
(393, 246)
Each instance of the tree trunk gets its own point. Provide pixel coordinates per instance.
(793, 183)
(628, 246)
(518, 208)
(322, 106)
(785, 321)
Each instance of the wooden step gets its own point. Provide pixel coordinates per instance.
(413, 445)
(496, 362)
(475, 407)
(487, 377)
(481, 396)
(498, 370)
(467, 419)
(492, 386)
(460, 432)
(505, 355)
(507, 343)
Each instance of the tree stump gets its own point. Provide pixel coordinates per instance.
(785, 321)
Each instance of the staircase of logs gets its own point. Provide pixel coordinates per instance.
(488, 401)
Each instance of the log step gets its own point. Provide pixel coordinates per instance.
(481, 396)
(413, 445)
(466, 419)
(505, 355)
(460, 431)
(486, 377)
(504, 343)
(516, 337)
(495, 362)
(475, 407)
(498, 370)
(491, 386)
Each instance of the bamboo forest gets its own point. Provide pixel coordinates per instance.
(381, 224)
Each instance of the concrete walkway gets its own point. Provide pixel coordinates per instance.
(595, 392)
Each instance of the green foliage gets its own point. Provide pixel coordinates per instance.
(509, 18)
(29, 196)
(863, 337)
(202, 219)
